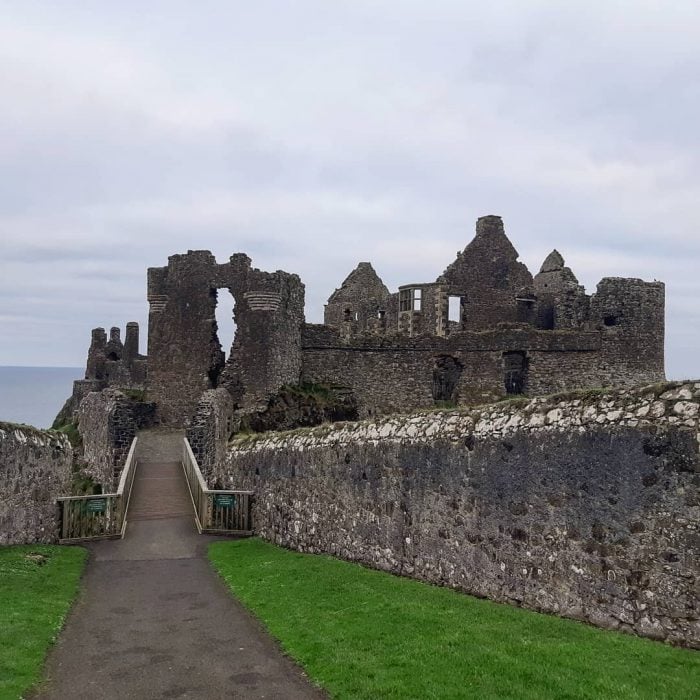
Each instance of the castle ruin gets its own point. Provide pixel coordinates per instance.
(582, 504)
(484, 329)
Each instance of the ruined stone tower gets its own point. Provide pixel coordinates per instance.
(185, 356)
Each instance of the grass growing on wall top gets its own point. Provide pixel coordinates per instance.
(365, 634)
(70, 430)
(37, 585)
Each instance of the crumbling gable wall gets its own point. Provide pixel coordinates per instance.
(561, 300)
(360, 304)
(489, 277)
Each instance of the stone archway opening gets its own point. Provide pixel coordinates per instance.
(225, 324)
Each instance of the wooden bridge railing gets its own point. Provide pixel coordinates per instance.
(101, 516)
(216, 510)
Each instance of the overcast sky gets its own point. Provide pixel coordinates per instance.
(316, 134)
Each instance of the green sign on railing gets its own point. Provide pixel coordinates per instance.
(96, 505)
(224, 500)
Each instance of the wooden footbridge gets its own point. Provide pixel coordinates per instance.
(155, 485)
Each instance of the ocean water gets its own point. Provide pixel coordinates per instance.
(34, 395)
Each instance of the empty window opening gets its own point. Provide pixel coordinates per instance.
(113, 356)
(417, 299)
(454, 309)
(546, 317)
(380, 314)
(525, 309)
(347, 315)
(515, 372)
(610, 320)
(225, 325)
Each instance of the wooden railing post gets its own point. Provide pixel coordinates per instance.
(99, 516)
(220, 511)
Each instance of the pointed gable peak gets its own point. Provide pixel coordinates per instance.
(489, 224)
(553, 262)
(362, 280)
(364, 271)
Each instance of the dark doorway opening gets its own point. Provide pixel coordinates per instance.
(515, 372)
(446, 374)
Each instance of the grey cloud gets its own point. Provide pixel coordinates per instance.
(313, 135)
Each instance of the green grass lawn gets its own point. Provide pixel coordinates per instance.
(37, 585)
(361, 633)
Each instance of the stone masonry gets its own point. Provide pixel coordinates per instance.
(108, 422)
(35, 468)
(184, 355)
(584, 505)
(484, 329)
(210, 430)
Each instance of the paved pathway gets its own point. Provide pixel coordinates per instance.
(153, 619)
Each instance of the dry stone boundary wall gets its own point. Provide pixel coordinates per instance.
(586, 506)
(35, 468)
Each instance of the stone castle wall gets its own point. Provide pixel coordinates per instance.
(210, 430)
(108, 422)
(515, 333)
(35, 468)
(394, 374)
(185, 358)
(586, 506)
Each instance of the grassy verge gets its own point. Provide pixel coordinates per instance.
(37, 585)
(366, 634)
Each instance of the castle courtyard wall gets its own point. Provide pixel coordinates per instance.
(395, 374)
(585, 506)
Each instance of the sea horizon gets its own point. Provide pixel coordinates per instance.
(34, 394)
